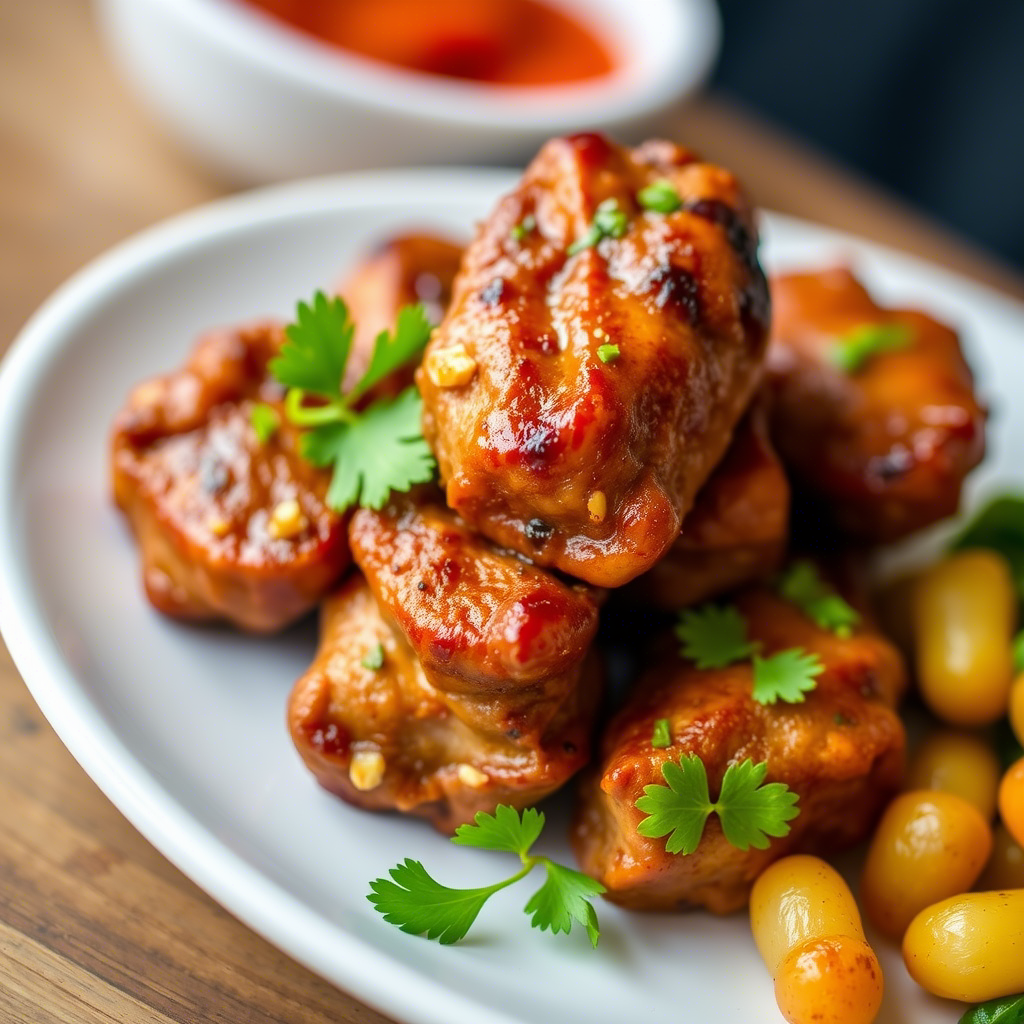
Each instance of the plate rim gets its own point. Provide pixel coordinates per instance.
(379, 979)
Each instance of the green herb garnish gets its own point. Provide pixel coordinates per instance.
(265, 421)
(524, 227)
(802, 584)
(854, 349)
(660, 196)
(609, 222)
(749, 809)
(416, 903)
(662, 735)
(608, 353)
(373, 659)
(1008, 1010)
(786, 676)
(713, 636)
(375, 450)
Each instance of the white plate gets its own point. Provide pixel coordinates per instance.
(184, 728)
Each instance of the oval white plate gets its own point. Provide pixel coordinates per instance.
(184, 728)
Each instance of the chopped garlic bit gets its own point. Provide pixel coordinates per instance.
(366, 769)
(597, 506)
(450, 367)
(286, 520)
(471, 776)
(218, 525)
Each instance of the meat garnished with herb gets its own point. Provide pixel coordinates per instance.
(605, 337)
(451, 679)
(874, 409)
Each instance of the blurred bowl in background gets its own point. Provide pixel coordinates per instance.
(259, 102)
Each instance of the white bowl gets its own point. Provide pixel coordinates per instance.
(258, 102)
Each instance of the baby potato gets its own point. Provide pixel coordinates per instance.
(969, 947)
(1011, 800)
(1005, 868)
(1017, 708)
(808, 930)
(964, 612)
(928, 845)
(960, 762)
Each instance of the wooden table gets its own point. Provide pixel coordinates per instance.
(95, 925)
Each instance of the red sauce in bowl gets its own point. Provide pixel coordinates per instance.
(503, 42)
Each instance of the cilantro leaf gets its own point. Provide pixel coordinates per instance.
(662, 735)
(504, 830)
(415, 902)
(802, 585)
(1000, 527)
(660, 196)
(373, 659)
(265, 421)
(1008, 1010)
(563, 898)
(679, 809)
(316, 352)
(786, 675)
(749, 810)
(854, 349)
(390, 351)
(713, 636)
(420, 905)
(379, 451)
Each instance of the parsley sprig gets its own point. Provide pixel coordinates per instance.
(855, 348)
(1008, 1010)
(715, 636)
(416, 903)
(802, 585)
(749, 809)
(373, 450)
(660, 197)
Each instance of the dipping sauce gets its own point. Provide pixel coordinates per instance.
(504, 42)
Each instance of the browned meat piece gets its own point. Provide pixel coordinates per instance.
(486, 693)
(576, 462)
(841, 751)
(228, 528)
(737, 530)
(402, 271)
(888, 446)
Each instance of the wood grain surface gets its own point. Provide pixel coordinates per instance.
(95, 925)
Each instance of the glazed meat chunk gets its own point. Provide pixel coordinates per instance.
(841, 751)
(887, 445)
(736, 532)
(597, 356)
(481, 692)
(229, 527)
(403, 270)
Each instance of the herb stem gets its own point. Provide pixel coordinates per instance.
(302, 415)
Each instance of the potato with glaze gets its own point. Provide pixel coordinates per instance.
(841, 751)
(885, 446)
(229, 526)
(597, 356)
(482, 689)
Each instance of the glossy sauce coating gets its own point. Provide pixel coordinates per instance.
(736, 532)
(504, 640)
(888, 446)
(403, 270)
(841, 751)
(200, 491)
(577, 463)
(504, 42)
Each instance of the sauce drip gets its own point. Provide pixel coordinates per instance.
(503, 42)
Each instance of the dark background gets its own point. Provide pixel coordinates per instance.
(924, 96)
